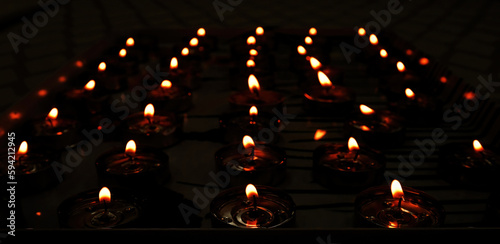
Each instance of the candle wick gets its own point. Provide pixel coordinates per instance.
(255, 91)
(105, 207)
(255, 202)
(50, 122)
(356, 155)
(149, 120)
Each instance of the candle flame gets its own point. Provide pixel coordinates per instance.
(409, 52)
(130, 42)
(469, 95)
(308, 40)
(174, 63)
(253, 52)
(423, 61)
(365, 128)
(259, 31)
(201, 32)
(102, 66)
(122, 53)
(361, 31)
(319, 134)
(104, 195)
(23, 148)
(352, 144)
(409, 93)
(185, 51)
(251, 40)
(373, 39)
(90, 85)
(193, 42)
(53, 113)
(366, 110)
(477, 146)
(166, 84)
(443, 79)
(301, 50)
(253, 84)
(253, 111)
(248, 142)
(383, 53)
(400, 66)
(324, 80)
(79, 63)
(149, 111)
(313, 31)
(130, 148)
(315, 63)
(250, 63)
(396, 189)
(251, 191)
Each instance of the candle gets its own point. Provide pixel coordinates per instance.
(239, 74)
(397, 207)
(264, 100)
(171, 98)
(417, 108)
(186, 77)
(132, 167)
(469, 165)
(397, 80)
(112, 78)
(252, 207)
(55, 130)
(100, 209)
(347, 167)
(309, 77)
(88, 100)
(258, 163)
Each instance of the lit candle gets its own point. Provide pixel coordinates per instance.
(417, 108)
(171, 98)
(264, 100)
(55, 130)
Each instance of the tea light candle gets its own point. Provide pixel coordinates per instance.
(133, 168)
(397, 80)
(310, 76)
(112, 80)
(264, 100)
(93, 209)
(252, 207)
(239, 75)
(170, 97)
(469, 165)
(397, 207)
(417, 109)
(347, 167)
(327, 99)
(184, 77)
(87, 100)
(55, 131)
(261, 164)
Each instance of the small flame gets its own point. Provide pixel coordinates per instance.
(53, 113)
(352, 144)
(365, 128)
(315, 63)
(201, 32)
(90, 85)
(253, 52)
(130, 148)
(423, 61)
(313, 31)
(23, 148)
(130, 42)
(361, 31)
(259, 31)
(251, 40)
(319, 134)
(248, 142)
(443, 79)
(373, 39)
(400, 66)
(308, 40)
(149, 111)
(366, 110)
(251, 191)
(253, 111)
(193, 42)
(250, 63)
(42, 92)
(469, 95)
(104, 195)
(396, 189)
(185, 51)
(324, 80)
(477, 146)
(79, 63)
(253, 83)
(122, 53)
(383, 53)
(166, 84)
(409, 52)
(173, 63)
(102, 66)
(409, 93)
(301, 50)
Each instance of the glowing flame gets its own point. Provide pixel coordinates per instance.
(90, 85)
(323, 79)
(383, 53)
(366, 110)
(130, 42)
(185, 51)
(149, 111)
(313, 31)
(396, 189)
(79, 63)
(259, 31)
(315, 63)
(130, 148)
(122, 53)
(409, 52)
(253, 52)
(400, 66)
(365, 128)
(174, 63)
(251, 191)
(373, 39)
(477, 146)
(248, 142)
(251, 40)
(301, 50)
(352, 144)
(42, 92)
(409, 93)
(102, 66)
(308, 40)
(319, 134)
(253, 84)
(193, 42)
(250, 63)
(361, 31)
(423, 61)
(53, 113)
(201, 32)
(443, 79)
(104, 195)
(469, 95)
(166, 84)
(23, 148)
(253, 111)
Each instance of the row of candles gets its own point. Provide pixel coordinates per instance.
(335, 165)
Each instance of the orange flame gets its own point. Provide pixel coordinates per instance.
(315, 63)
(409, 93)
(102, 66)
(149, 111)
(253, 52)
(53, 113)
(174, 63)
(201, 32)
(248, 142)
(361, 31)
(23, 148)
(308, 40)
(352, 144)
(477, 146)
(469, 95)
(373, 39)
(397, 189)
(423, 61)
(443, 79)
(130, 42)
(365, 128)
(251, 191)
(79, 63)
(166, 84)
(193, 42)
(319, 134)
(130, 148)
(259, 31)
(324, 80)
(253, 84)
(400, 66)
(185, 51)
(104, 195)
(251, 40)
(301, 50)
(409, 52)
(90, 85)
(313, 31)
(250, 63)
(366, 110)
(253, 111)
(122, 53)
(383, 53)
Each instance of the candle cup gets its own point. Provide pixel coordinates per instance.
(265, 101)
(86, 103)
(421, 110)
(84, 211)
(176, 99)
(334, 167)
(335, 102)
(235, 125)
(59, 133)
(185, 77)
(156, 132)
(266, 167)
(231, 208)
(460, 164)
(146, 167)
(393, 85)
(375, 207)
